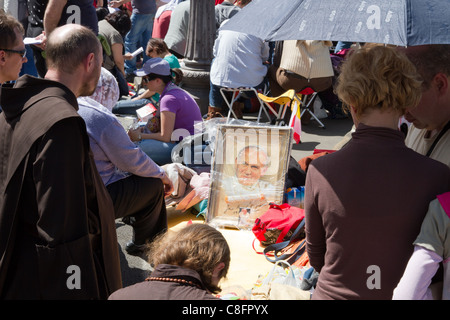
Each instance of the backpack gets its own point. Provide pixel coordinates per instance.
(278, 223)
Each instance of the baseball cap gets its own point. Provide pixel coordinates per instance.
(155, 65)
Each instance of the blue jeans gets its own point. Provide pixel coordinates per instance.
(160, 152)
(29, 67)
(138, 36)
(129, 107)
(216, 99)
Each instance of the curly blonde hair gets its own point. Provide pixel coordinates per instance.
(199, 247)
(378, 77)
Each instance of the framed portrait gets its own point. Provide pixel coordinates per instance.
(248, 172)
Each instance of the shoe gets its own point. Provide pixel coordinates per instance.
(135, 249)
(129, 220)
(211, 115)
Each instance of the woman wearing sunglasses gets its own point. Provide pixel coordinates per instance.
(178, 112)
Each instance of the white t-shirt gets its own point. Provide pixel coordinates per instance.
(418, 140)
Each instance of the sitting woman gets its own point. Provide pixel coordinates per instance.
(189, 265)
(364, 204)
(113, 29)
(156, 48)
(178, 113)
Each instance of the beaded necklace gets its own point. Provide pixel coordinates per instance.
(176, 280)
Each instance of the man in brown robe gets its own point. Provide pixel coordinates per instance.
(57, 230)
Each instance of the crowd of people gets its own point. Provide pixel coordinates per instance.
(68, 169)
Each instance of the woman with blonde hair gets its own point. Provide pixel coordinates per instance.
(365, 203)
(189, 265)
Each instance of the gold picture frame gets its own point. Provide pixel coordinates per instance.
(248, 172)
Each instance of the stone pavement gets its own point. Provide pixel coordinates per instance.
(136, 268)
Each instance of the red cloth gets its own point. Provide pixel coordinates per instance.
(161, 25)
(444, 200)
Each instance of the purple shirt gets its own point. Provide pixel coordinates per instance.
(187, 112)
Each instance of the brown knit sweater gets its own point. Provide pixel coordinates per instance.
(364, 206)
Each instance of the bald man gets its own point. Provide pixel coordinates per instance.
(245, 191)
(57, 228)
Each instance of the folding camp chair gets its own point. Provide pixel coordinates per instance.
(308, 98)
(237, 93)
(285, 100)
(305, 101)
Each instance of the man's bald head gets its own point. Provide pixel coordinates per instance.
(68, 46)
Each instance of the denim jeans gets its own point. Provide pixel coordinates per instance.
(216, 99)
(129, 107)
(138, 36)
(160, 152)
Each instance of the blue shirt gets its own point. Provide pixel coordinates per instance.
(238, 60)
(115, 155)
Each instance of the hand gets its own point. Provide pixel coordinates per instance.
(127, 56)
(42, 37)
(134, 134)
(168, 185)
(115, 4)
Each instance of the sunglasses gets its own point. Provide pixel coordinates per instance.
(23, 52)
(146, 79)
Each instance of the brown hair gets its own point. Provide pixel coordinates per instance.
(8, 27)
(119, 20)
(68, 52)
(430, 60)
(198, 246)
(158, 45)
(378, 76)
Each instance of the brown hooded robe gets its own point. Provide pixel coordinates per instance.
(57, 230)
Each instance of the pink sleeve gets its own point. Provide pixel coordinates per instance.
(416, 279)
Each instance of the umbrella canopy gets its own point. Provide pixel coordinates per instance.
(398, 22)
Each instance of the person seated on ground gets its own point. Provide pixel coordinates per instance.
(431, 248)
(239, 61)
(365, 191)
(107, 91)
(189, 265)
(136, 184)
(178, 112)
(302, 64)
(113, 28)
(156, 48)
